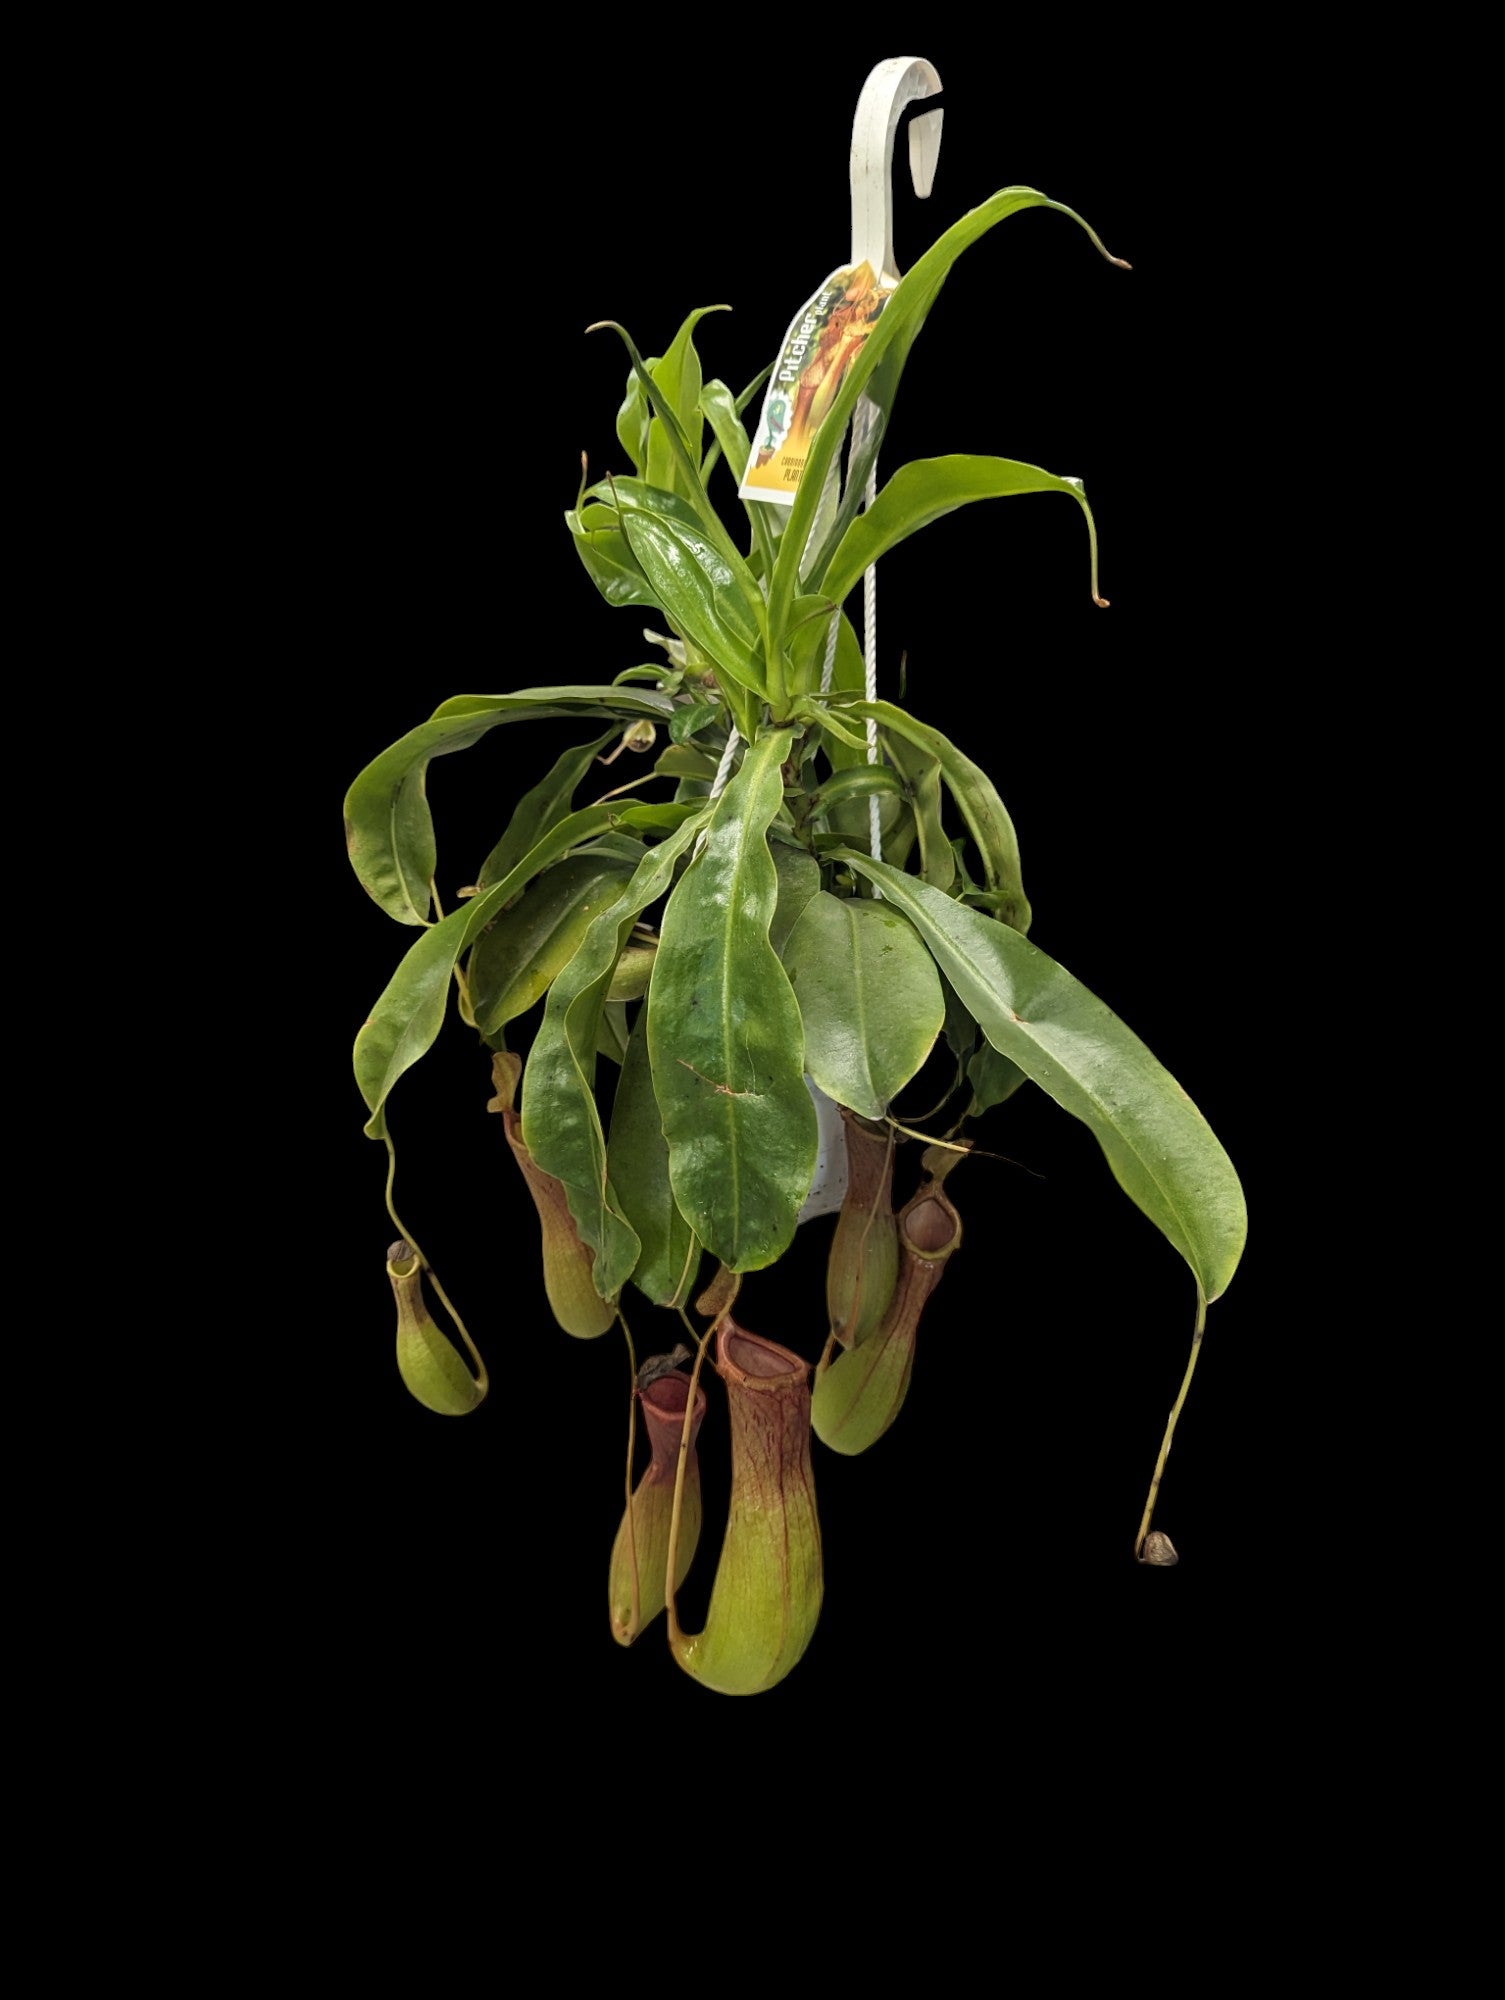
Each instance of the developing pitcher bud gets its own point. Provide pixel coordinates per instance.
(864, 1262)
(567, 1262)
(767, 1594)
(662, 1400)
(432, 1368)
(859, 1396)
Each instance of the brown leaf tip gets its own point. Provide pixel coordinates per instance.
(1102, 603)
(1159, 1551)
(659, 1365)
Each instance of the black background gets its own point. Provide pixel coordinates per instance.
(443, 250)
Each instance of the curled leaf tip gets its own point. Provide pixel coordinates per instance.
(659, 1365)
(1102, 603)
(1159, 1551)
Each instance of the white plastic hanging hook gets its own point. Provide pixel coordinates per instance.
(890, 87)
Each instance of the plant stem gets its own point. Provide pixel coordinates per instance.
(483, 1381)
(670, 1590)
(632, 1438)
(1170, 1426)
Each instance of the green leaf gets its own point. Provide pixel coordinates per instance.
(924, 490)
(538, 811)
(632, 420)
(798, 875)
(684, 762)
(638, 1165)
(667, 816)
(869, 997)
(922, 775)
(993, 1078)
(609, 562)
(678, 378)
(518, 957)
(617, 493)
(886, 348)
(1161, 1149)
(720, 409)
(410, 1012)
(611, 1031)
(858, 781)
(692, 717)
(687, 463)
(977, 798)
(724, 1033)
(561, 1125)
(718, 405)
(388, 828)
(704, 594)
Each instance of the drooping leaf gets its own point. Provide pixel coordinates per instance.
(877, 368)
(519, 956)
(410, 1012)
(1161, 1149)
(388, 827)
(993, 1078)
(541, 809)
(986, 815)
(869, 998)
(921, 770)
(638, 1166)
(924, 490)
(724, 1033)
(561, 1124)
(858, 781)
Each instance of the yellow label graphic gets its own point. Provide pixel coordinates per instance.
(824, 339)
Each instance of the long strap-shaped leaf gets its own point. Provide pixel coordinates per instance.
(638, 1162)
(1163, 1152)
(388, 828)
(987, 817)
(889, 341)
(924, 490)
(561, 1125)
(410, 1012)
(724, 1034)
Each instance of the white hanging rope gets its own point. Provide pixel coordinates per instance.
(867, 417)
(724, 768)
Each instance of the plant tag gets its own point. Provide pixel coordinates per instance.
(824, 339)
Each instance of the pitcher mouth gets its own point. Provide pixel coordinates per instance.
(668, 1395)
(755, 1363)
(931, 1226)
